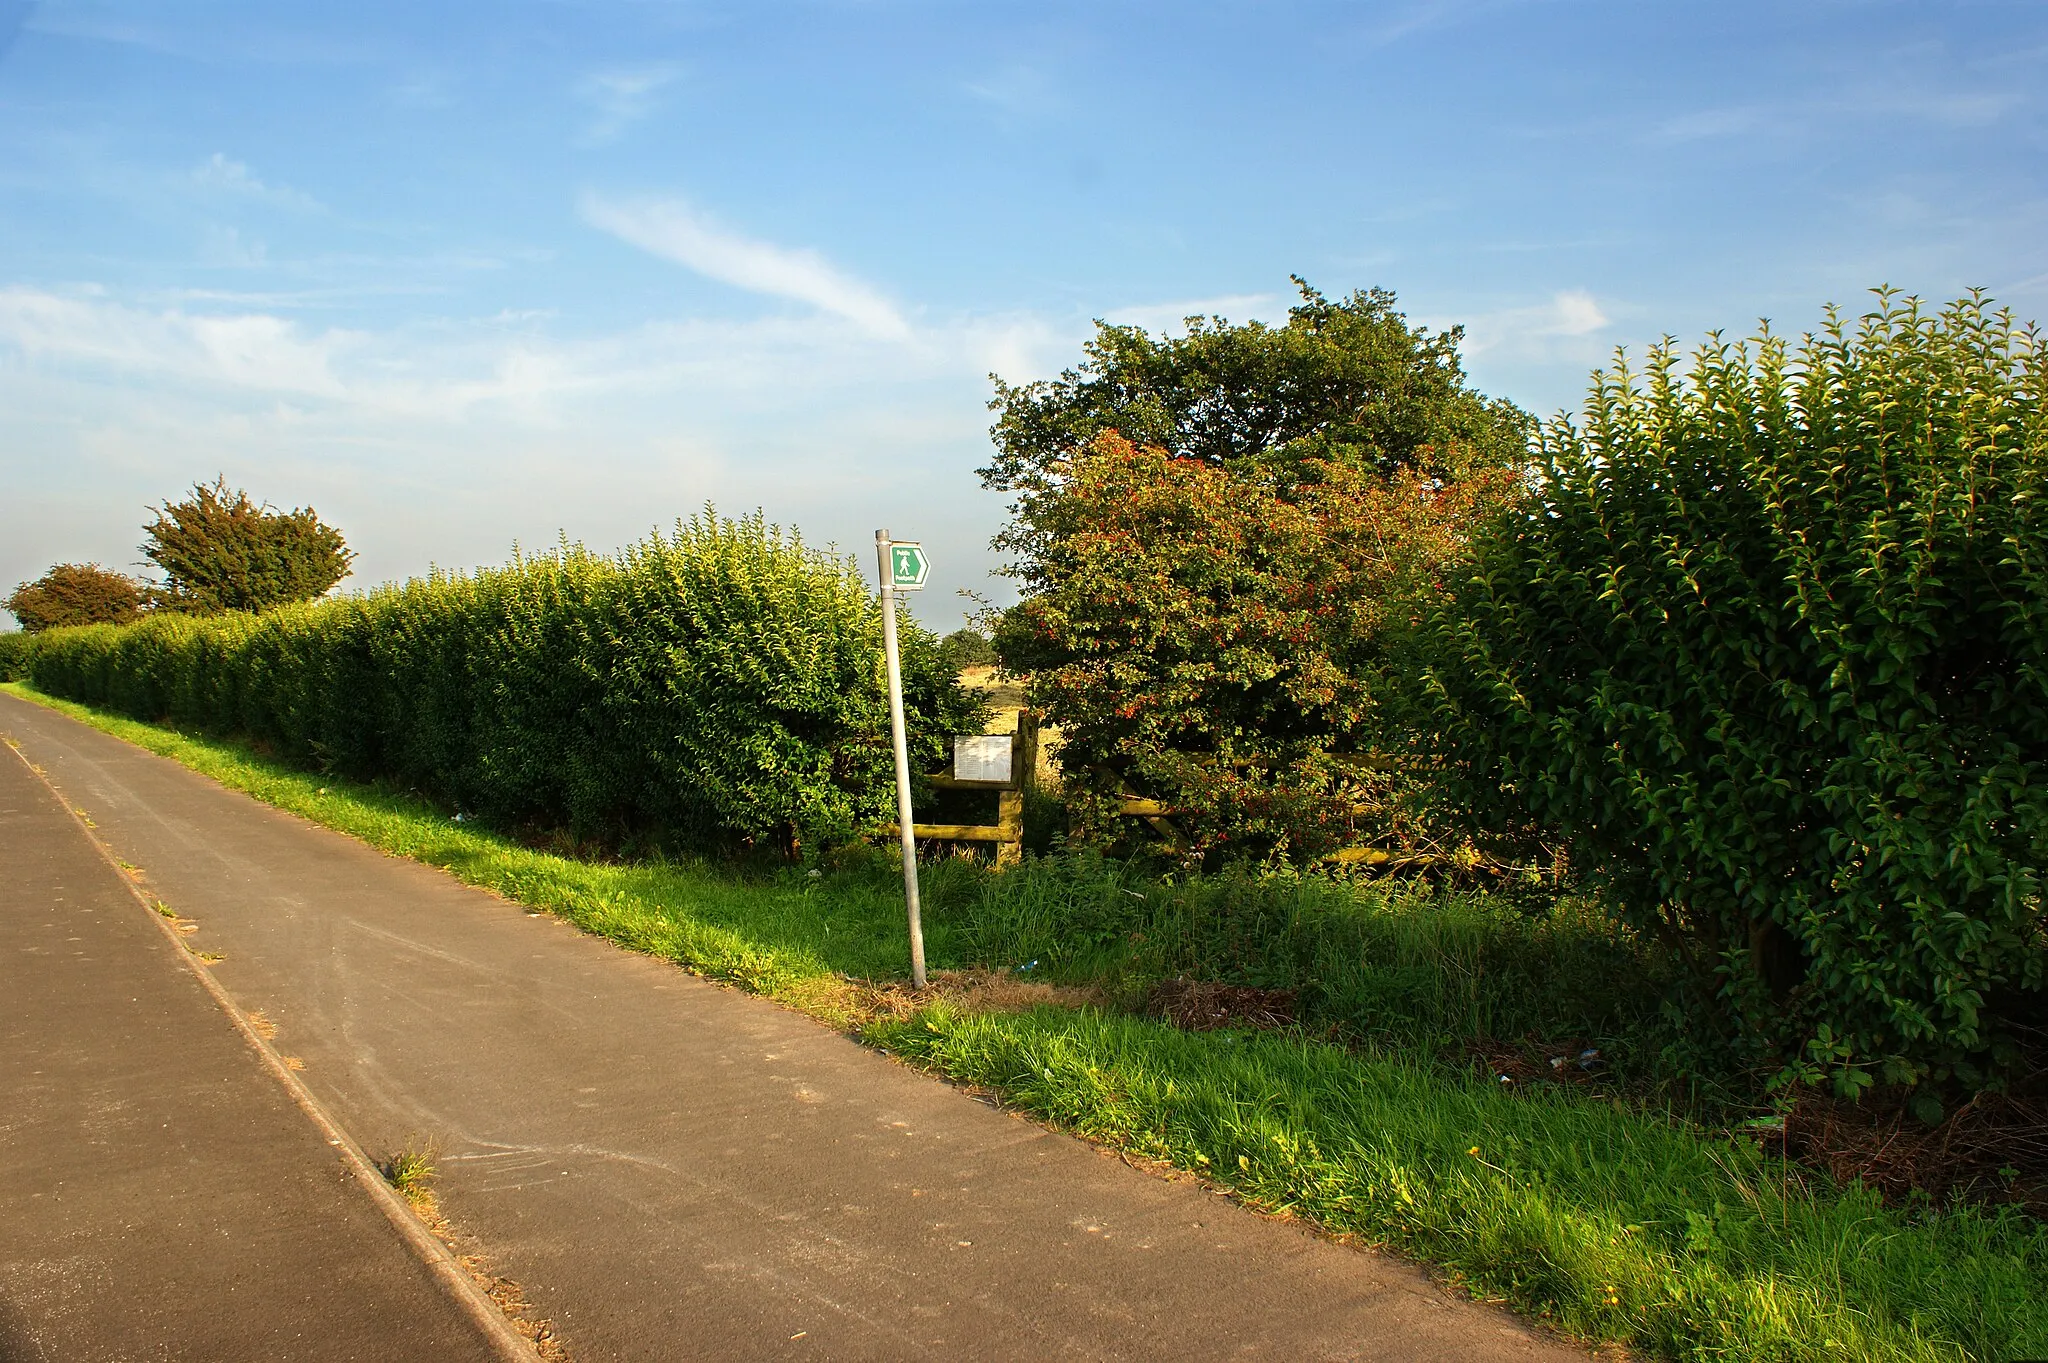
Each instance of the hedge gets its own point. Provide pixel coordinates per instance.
(1770, 643)
(717, 687)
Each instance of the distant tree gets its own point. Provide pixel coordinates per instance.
(967, 648)
(76, 594)
(222, 552)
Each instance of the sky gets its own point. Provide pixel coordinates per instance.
(469, 276)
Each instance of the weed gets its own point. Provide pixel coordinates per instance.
(411, 1172)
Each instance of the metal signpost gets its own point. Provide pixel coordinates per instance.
(903, 568)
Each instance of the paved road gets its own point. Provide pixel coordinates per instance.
(676, 1170)
(163, 1197)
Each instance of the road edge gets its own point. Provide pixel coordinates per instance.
(440, 1261)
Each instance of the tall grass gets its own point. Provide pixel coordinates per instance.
(1611, 1223)
(1379, 964)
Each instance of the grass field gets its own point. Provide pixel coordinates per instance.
(1592, 1207)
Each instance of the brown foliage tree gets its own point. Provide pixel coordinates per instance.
(76, 594)
(222, 552)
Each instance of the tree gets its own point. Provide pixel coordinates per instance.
(222, 552)
(1770, 643)
(1205, 638)
(1221, 538)
(1349, 382)
(76, 594)
(965, 648)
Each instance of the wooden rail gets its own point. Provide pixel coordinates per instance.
(1007, 832)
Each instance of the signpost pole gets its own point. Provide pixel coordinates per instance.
(903, 815)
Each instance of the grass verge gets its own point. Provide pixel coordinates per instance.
(1613, 1222)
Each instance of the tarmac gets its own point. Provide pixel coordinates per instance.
(667, 1168)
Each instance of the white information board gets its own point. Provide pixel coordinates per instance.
(981, 757)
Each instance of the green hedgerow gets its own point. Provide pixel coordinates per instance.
(720, 685)
(1770, 640)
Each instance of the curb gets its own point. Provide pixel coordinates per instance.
(506, 1342)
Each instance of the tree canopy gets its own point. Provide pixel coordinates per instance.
(1349, 382)
(221, 552)
(76, 594)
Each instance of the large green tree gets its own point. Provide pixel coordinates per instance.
(1220, 538)
(76, 594)
(220, 551)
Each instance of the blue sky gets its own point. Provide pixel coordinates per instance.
(465, 275)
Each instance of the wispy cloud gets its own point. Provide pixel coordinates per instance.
(1571, 316)
(221, 173)
(675, 231)
(1391, 24)
(248, 350)
(623, 96)
(1860, 105)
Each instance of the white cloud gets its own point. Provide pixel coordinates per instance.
(1016, 91)
(1574, 312)
(671, 229)
(623, 96)
(223, 174)
(1565, 324)
(251, 350)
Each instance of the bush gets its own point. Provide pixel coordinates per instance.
(719, 686)
(1220, 537)
(965, 648)
(1226, 644)
(15, 646)
(75, 594)
(1770, 641)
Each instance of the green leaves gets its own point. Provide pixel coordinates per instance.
(713, 687)
(1769, 643)
(1223, 538)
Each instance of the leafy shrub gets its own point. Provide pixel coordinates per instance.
(968, 648)
(1221, 537)
(1770, 640)
(721, 685)
(1225, 643)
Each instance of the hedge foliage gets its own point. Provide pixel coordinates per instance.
(1770, 642)
(718, 686)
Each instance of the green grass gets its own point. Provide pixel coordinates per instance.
(1605, 1216)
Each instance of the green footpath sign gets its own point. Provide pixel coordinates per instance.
(907, 566)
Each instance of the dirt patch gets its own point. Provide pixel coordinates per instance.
(972, 991)
(1994, 1147)
(1205, 1006)
(1533, 1062)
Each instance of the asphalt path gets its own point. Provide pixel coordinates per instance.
(164, 1196)
(671, 1169)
